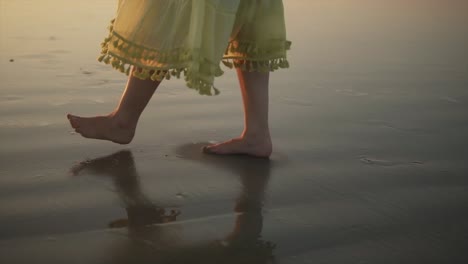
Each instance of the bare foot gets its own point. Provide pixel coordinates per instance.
(103, 127)
(243, 146)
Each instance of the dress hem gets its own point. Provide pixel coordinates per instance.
(122, 54)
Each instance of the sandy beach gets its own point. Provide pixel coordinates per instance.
(370, 162)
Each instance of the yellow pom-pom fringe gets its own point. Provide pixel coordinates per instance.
(245, 56)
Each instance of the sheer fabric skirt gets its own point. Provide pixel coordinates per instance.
(191, 38)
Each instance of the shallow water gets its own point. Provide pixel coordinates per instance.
(369, 125)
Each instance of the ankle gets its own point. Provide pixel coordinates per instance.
(124, 121)
(257, 136)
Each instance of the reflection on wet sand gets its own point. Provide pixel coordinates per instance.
(120, 166)
(155, 235)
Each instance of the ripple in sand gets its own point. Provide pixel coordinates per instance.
(87, 72)
(59, 51)
(44, 123)
(60, 103)
(181, 195)
(43, 56)
(296, 102)
(351, 92)
(449, 99)
(23, 124)
(97, 100)
(11, 98)
(386, 124)
(386, 163)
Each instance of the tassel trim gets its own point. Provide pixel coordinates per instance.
(250, 57)
(193, 81)
(122, 54)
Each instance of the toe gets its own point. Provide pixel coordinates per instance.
(74, 121)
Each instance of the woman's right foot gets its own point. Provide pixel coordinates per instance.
(103, 127)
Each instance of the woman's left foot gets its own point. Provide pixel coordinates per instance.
(103, 127)
(242, 146)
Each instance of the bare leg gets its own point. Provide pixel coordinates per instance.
(118, 126)
(255, 140)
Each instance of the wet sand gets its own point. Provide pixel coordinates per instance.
(369, 125)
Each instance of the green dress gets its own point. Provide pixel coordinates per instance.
(164, 38)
